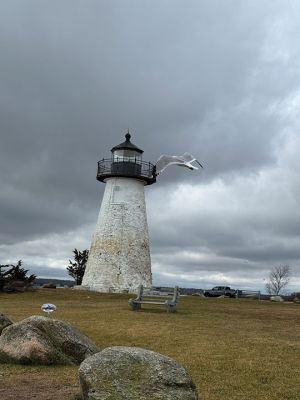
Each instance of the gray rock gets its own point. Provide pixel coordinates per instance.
(4, 322)
(296, 299)
(123, 373)
(50, 285)
(276, 298)
(42, 340)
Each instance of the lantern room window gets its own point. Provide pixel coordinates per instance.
(126, 155)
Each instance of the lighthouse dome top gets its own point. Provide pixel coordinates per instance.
(127, 145)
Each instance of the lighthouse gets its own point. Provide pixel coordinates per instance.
(119, 258)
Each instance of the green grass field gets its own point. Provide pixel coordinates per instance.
(234, 349)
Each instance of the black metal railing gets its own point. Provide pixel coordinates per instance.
(132, 169)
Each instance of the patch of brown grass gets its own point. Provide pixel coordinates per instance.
(237, 349)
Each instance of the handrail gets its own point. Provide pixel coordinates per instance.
(134, 168)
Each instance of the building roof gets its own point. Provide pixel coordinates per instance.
(127, 145)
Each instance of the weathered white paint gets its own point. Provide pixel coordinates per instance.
(119, 258)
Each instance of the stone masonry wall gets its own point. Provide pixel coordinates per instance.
(119, 258)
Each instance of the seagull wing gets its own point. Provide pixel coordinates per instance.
(190, 158)
(165, 160)
(185, 160)
(199, 163)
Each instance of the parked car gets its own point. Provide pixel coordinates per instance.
(220, 291)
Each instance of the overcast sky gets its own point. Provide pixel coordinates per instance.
(219, 79)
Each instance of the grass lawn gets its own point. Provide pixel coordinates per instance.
(234, 349)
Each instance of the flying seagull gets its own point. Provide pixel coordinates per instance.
(185, 160)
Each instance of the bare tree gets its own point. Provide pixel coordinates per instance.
(278, 279)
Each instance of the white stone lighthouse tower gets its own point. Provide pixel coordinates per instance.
(119, 258)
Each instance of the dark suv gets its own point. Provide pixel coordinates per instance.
(220, 291)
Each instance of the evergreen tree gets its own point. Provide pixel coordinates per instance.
(3, 275)
(76, 269)
(15, 273)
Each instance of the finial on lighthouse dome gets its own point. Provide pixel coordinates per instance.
(127, 136)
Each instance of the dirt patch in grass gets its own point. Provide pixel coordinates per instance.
(44, 383)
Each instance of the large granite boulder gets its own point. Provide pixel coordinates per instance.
(42, 340)
(4, 322)
(132, 373)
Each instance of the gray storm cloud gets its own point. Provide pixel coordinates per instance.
(220, 81)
